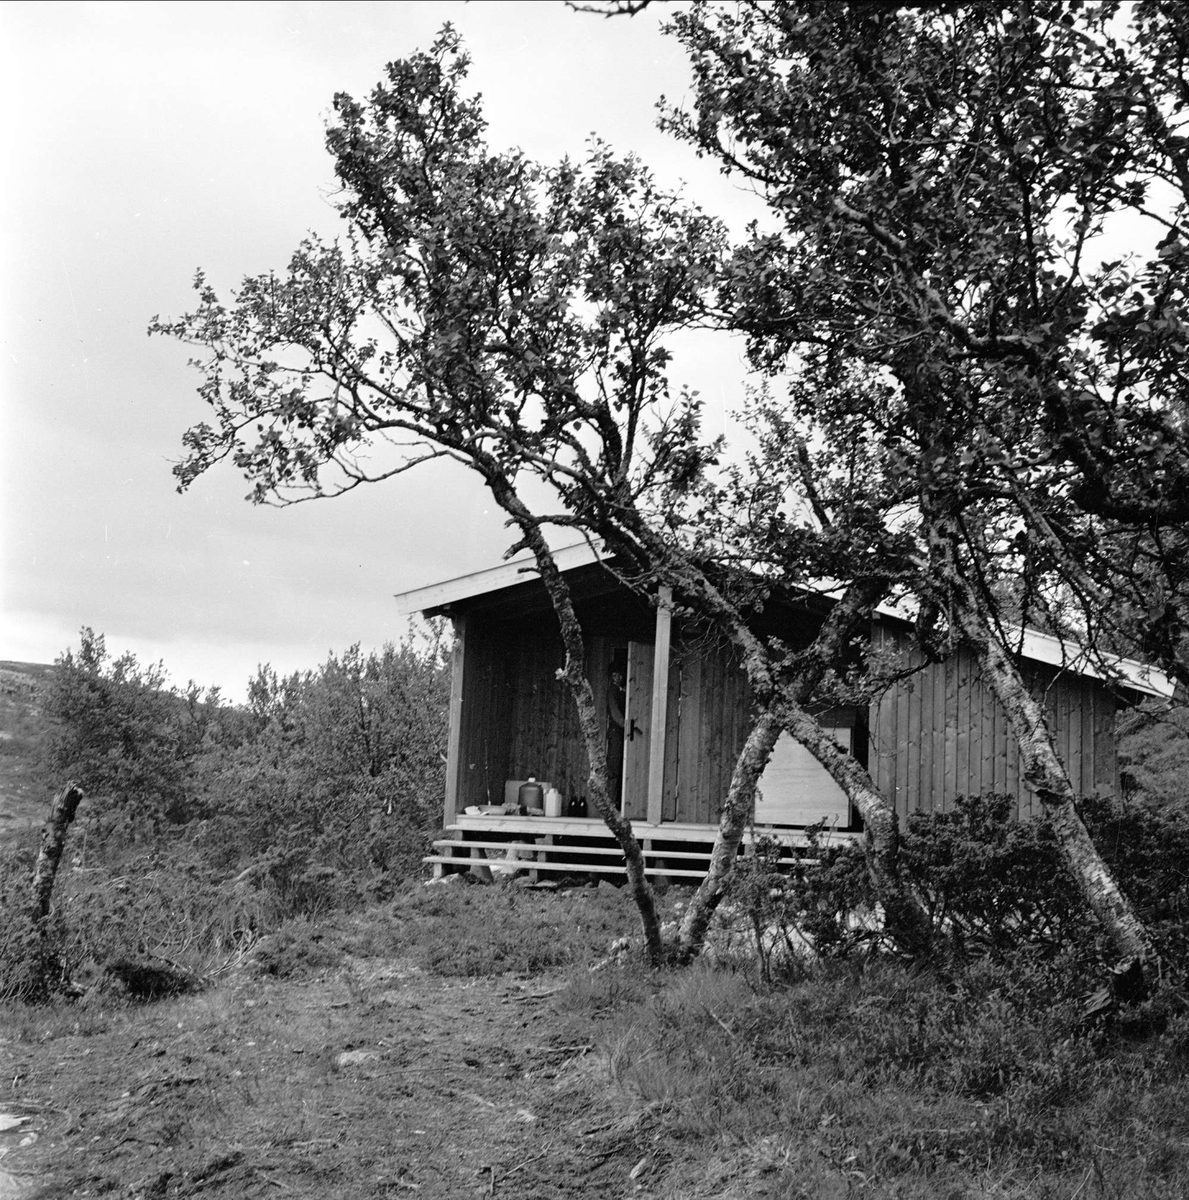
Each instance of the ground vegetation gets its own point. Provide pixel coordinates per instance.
(322, 793)
(220, 1033)
(456, 1040)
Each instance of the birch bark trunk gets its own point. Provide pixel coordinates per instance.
(905, 919)
(53, 840)
(846, 619)
(1044, 771)
(576, 679)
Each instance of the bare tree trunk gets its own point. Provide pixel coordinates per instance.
(905, 919)
(736, 810)
(53, 839)
(575, 676)
(1044, 771)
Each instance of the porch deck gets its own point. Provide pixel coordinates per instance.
(572, 846)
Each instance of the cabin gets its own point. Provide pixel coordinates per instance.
(676, 708)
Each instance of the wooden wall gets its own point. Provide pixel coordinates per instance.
(940, 733)
(934, 735)
(517, 718)
(484, 727)
(709, 720)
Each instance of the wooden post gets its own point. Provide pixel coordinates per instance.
(660, 703)
(53, 840)
(454, 738)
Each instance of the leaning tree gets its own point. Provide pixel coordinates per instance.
(477, 307)
(510, 317)
(981, 206)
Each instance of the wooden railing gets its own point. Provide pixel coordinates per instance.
(506, 845)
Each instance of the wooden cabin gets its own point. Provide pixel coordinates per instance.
(676, 709)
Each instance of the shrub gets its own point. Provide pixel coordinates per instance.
(32, 953)
(992, 886)
(117, 728)
(334, 788)
(990, 882)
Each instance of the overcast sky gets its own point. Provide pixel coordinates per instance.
(145, 140)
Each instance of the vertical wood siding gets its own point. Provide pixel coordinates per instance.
(518, 719)
(485, 728)
(939, 733)
(710, 703)
(935, 734)
(545, 740)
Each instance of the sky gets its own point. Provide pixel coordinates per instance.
(146, 140)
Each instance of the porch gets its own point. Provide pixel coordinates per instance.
(557, 846)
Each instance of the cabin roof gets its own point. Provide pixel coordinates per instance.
(439, 598)
(1066, 655)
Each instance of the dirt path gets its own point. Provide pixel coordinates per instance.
(375, 1080)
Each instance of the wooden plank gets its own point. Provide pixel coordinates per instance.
(936, 739)
(658, 714)
(1059, 717)
(710, 721)
(1106, 761)
(491, 579)
(570, 868)
(912, 732)
(992, 750)
(949, 785)
(965, 702)
(1011, 761)
(903, 737)
(923, 740)
(689, 736)
(637, 737)
(1080, 697)
(484, 745)
(553, 848)
(593, 828)
(672, 736)
(454, 734)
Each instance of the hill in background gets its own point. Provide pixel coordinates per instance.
(24, 798)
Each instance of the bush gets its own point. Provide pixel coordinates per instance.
(116, 728)
(992, 885)
(335, 787)
(32, 953)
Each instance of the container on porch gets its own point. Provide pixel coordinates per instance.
(553, 803)
(532, 794)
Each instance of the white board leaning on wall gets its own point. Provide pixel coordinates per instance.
(795, 789)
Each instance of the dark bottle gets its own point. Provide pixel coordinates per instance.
(531, 795)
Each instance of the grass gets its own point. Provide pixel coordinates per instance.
(462, 1008)
(868, 1078)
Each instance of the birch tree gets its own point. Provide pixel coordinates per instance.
(510, 317)
(478, 307)
(949, 188)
